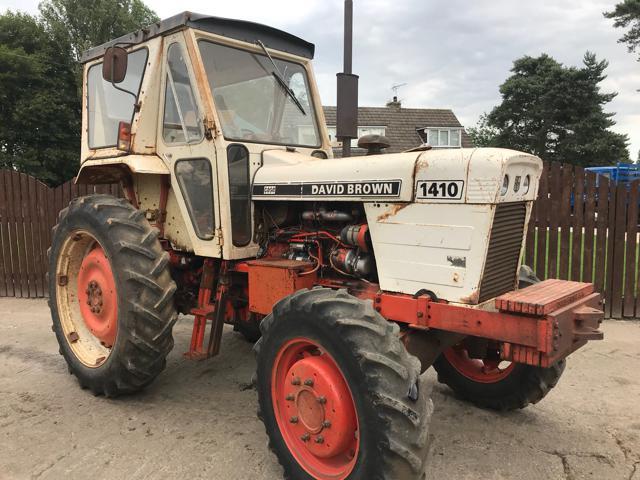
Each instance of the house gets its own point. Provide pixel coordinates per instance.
(405, 128)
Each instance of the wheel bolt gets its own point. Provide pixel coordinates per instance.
(305, 437)
(308, 382)
(295, 381)
(322, 400)
(293, 419)
(326, 424)
(319, 439)
(289, 398)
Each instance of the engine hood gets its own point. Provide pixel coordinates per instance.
(477, 173)
(294, 176)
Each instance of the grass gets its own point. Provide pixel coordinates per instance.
(584, 276)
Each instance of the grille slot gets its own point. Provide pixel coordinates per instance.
(503, 255)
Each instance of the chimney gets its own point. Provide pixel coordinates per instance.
(395, 103)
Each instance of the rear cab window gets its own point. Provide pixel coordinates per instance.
(108, 105)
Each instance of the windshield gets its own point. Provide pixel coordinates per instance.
(252, 105)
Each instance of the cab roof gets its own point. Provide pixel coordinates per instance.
(237, 29)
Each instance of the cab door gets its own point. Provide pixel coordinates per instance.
(193, 207)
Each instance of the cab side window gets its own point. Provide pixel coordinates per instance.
(238, 160)
(181, 123)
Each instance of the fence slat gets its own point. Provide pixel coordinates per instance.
(542, 221)
(11, 263)
(37, 227)
(601, 233)
(565, 221)
(555, 190)
(19, 235)
(578, 224)
(611, 227)
(616, 259)
(589, 226)
(631, 260)
(28, 236)
(6, 285)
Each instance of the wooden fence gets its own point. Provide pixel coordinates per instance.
(585, 228)
(28, 211)
(582, 228)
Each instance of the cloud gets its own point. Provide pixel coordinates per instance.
(451, 53)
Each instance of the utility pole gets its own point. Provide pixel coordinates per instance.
(347, 97)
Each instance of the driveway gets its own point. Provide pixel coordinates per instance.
(198, 419)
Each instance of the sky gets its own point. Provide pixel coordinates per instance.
(450, 53)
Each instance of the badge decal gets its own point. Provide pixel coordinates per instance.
(439, 189)
(371, 188)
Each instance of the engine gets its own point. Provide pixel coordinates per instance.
(334, 239)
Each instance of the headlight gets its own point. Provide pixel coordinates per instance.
(526, 184)
(505, 186)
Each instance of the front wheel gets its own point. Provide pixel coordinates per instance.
(491, 383)
(338, 393)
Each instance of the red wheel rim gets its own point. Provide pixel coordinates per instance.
(483, 371)
(97, 296)
(314, 409)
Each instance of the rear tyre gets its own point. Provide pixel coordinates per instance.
(249, 329)
(111, 295)
(338, 393)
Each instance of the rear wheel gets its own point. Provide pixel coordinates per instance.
(110, 295)
(338, 393)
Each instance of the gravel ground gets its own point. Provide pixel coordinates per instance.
(198, 419)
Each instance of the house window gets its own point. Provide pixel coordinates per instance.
(362, 131)
(441, 137)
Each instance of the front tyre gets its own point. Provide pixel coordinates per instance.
(110, 295)
(494, 384)
(338, 393)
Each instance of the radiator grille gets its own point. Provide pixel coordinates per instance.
(503, 255)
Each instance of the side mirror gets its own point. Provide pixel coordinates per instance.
(114, 65)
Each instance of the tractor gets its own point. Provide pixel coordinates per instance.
(352, 276)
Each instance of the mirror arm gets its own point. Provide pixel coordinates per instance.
(113, 84)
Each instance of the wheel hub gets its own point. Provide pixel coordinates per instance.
(97, 297)
(479, 370)
(315, 411)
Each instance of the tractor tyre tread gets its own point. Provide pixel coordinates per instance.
(144, 289)
(398, 423)
(526, 385)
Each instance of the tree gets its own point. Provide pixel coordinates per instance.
(41, 79)
(627, 14)
(86, 24)
(483, 134)
(40, 127)
(555, 112)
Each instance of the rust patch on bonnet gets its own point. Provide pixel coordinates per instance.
(471, 299)
(395, 208)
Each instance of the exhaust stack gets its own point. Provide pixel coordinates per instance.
(347, 97)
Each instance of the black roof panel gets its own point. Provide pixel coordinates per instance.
(238, 29)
